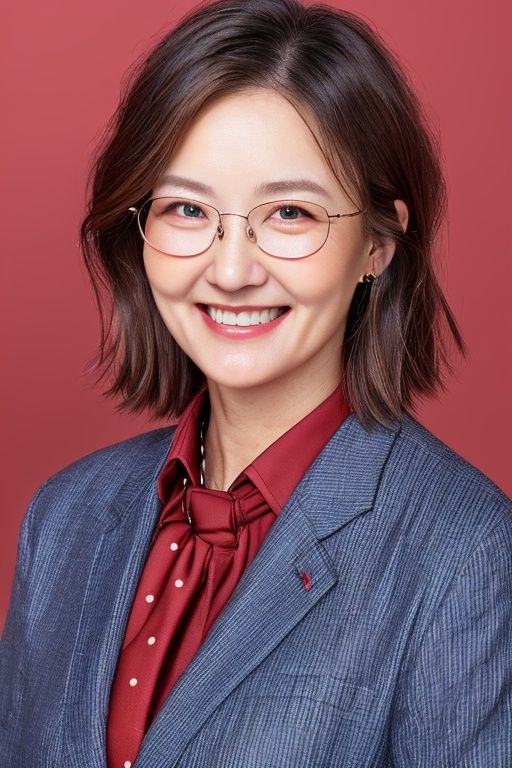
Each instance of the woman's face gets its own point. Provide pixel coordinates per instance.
(237, 144)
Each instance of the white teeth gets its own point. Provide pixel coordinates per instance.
(227, 317)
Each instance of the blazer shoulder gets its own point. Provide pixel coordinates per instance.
(138, 458)
(450, 480)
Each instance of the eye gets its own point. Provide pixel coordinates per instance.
(185, 210)
(284, 213)
(291, 212)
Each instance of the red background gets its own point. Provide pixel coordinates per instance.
(61, 72)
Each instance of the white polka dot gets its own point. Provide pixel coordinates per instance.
(150, 598)
(133, 681)
(173, 546)
(178, 583)
(151, 640)
(127, 764)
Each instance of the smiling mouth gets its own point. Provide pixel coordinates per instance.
(244, 318)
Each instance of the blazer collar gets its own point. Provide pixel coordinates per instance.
(340, 483)
(344, 479)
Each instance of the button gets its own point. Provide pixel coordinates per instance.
(150, 598)
(127, 764)
(151, 640)
(178, 583)
(173, 546)
(133, 682)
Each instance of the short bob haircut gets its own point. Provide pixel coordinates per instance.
(371, 128)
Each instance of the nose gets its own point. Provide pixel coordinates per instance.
(235, 263)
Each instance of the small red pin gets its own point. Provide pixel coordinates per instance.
(306, 579)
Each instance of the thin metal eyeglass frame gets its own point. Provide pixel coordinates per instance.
(219, 231)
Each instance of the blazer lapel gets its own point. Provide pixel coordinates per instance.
(117, 543)
(271, 598)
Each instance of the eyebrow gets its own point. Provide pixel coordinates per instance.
(269, 188)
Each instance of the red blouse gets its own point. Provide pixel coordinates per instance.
(193, 568)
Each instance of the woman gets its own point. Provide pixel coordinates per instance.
(298, 573)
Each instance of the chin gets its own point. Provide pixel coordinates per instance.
(239, 379)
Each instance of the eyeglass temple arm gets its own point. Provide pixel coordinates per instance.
(343, 215)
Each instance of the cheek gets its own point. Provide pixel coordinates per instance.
(168, 279)
(329, 276)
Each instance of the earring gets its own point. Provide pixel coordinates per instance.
(369, 277)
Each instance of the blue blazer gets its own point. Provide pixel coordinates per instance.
(398, 655)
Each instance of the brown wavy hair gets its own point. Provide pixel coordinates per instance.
(372, 130)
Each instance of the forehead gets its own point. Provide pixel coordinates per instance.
(241, 141)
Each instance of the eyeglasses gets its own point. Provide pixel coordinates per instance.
(289, 229)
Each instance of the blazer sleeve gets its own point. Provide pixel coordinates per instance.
(14, 646)
(454, 708)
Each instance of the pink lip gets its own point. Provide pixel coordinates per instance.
(240, 331)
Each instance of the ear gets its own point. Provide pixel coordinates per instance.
(380, 255)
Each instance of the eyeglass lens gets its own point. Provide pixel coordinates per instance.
(184, 227)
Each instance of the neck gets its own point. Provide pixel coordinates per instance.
(244, 422)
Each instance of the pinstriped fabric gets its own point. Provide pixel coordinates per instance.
(471, 695)
(398, 656)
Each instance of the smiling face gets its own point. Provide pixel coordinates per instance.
(238, 144)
